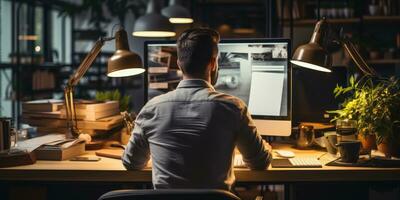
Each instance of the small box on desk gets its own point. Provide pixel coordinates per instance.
(15, 157)
(60, 150)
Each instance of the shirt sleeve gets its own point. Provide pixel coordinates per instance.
(250, 144)
(137, 152)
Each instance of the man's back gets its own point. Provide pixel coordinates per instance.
(191, 133)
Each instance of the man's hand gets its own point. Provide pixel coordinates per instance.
(267, 146)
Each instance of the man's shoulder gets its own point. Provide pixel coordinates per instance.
(214, 96)
(160, 99)
(228, 99)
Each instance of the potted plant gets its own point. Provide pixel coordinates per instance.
(375, 105)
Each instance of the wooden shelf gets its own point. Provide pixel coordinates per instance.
(384, 61)
(38, 66)
(346, 21)
(389, 19)
(312, 22)
(164, 85)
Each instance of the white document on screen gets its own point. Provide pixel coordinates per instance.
(266, 93)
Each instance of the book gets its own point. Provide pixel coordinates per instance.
(16, 157)
(110, 153)
(89, 106)
(84, 114)
(45, 105)
(106, 123)
(63, 130)
(55, 114)
(61, 150)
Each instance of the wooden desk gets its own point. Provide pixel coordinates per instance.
(112, 170)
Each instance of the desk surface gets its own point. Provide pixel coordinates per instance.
(112, 170)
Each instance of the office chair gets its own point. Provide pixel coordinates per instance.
(176, 194)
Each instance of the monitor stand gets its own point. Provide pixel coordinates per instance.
(273, 127)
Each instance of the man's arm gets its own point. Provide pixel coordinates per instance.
(251, 145)
(137, 152)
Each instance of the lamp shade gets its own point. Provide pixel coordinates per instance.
(124, 62)
(313, 55)
(176, 13)
(153, 24)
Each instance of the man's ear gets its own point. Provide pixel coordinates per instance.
(179, 65)
(213, 63)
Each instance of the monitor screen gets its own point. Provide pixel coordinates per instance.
(258, 74)
(257, 71)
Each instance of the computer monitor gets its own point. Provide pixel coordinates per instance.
(255, 70)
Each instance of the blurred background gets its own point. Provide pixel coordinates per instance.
(44, 41)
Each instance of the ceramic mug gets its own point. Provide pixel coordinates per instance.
(330, 141)
(349, 150)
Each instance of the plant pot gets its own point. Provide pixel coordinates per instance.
(374, 55)
(384, 147)
(373, 10)
(348, 12)
(332, 12)
(390, 148)
(368, 142)
(323, 12)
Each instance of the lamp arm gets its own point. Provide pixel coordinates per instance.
(74, 79)
(88, 61)
(357, 58)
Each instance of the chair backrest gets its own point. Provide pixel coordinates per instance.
(178, 194)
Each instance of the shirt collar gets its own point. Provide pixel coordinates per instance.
(194, 83)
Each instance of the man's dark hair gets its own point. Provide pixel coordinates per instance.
(196, 48)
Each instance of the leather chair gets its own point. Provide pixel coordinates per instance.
(178, 194)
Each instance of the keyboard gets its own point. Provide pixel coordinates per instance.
(305, 162)
(299, 162)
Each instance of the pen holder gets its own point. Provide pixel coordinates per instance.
(8, 136)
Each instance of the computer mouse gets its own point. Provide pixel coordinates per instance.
(285, 153)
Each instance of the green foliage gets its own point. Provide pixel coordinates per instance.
(114, 96)
(374, 104)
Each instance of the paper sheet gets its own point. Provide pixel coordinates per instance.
(32, 144)
(266, 93)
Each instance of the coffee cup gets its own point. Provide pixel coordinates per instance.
(349, 150)
(330, 141)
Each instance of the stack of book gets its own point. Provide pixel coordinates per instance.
(49, 116)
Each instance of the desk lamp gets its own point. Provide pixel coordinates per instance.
(123, 63)
(316, 54)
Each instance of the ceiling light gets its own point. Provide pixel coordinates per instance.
(153, 24)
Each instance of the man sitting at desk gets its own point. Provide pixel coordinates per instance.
(191, 132)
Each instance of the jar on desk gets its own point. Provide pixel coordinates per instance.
(346, 130)
(306, 136)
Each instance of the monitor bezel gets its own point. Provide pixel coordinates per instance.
(249, 40)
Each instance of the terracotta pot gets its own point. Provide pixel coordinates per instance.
(384, 147)
(390, 148)
(368, 142)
